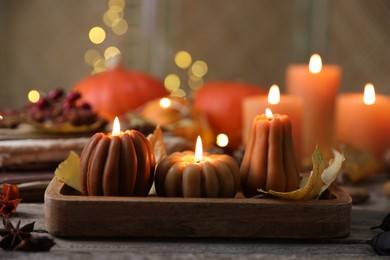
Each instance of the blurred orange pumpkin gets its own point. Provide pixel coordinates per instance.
(117, 91)
(221, 102)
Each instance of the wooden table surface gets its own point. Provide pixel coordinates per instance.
(354, 246)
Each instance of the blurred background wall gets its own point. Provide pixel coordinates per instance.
(45, 44)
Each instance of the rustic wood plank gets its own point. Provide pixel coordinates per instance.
(350, 247)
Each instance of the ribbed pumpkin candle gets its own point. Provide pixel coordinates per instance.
(189, 174)
(269, 159)
(117, 164)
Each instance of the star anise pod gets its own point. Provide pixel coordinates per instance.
(20, 238)
(36, 242)
(12, 236)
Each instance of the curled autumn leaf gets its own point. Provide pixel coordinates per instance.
(319, 180)
(9, 199)
(156, 139)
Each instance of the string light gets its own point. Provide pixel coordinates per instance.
(111, 51)
(195, 71)
(97, 35)
(178, 93)
(199, 68)
(33, 96)
(222, 140)
(113, 18)
(119, 26)
(172, 82)
(183, 59)
(91, 56)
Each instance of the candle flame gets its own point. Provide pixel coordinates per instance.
(315, 64)
(268, 114)
(198, 150)
(222, 140)
(274, 95)
(116, 128)
(369, 94)
(165, 102)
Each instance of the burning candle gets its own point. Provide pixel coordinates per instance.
(117, 164)
(189, 174)
(269, 160)
(318, 85)
(280, 104)
(363, 120)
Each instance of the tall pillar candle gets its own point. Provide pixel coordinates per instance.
(363, 120)
(279, 104)
(318, 85)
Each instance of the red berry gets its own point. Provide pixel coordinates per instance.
(43, 103)
(86, 106)
(67, 105)
(73, 96)
(55, 94)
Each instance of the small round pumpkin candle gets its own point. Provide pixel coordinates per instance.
(189, 174)
(117, 164)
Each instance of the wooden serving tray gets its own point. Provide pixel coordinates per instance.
(69, 214)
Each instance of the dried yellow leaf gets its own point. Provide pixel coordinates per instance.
(360, 164)
(157, 141)
(68, 171)
(319, 180)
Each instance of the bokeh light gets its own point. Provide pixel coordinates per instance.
(222, 140)
(172, 82)
(99, 65)
(116, 5)
(178, 93)
(165, 102)
(119, 26)
(97, 35)
(199, 68)
(183, 59)
(33, 96)
(91, 56)
(195, 83)
(110, 16)
(111, 51)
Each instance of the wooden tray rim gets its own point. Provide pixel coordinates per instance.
(55, 187)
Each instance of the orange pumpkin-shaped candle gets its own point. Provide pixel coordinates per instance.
(269, 160)
(189, 174)
(117, 164)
